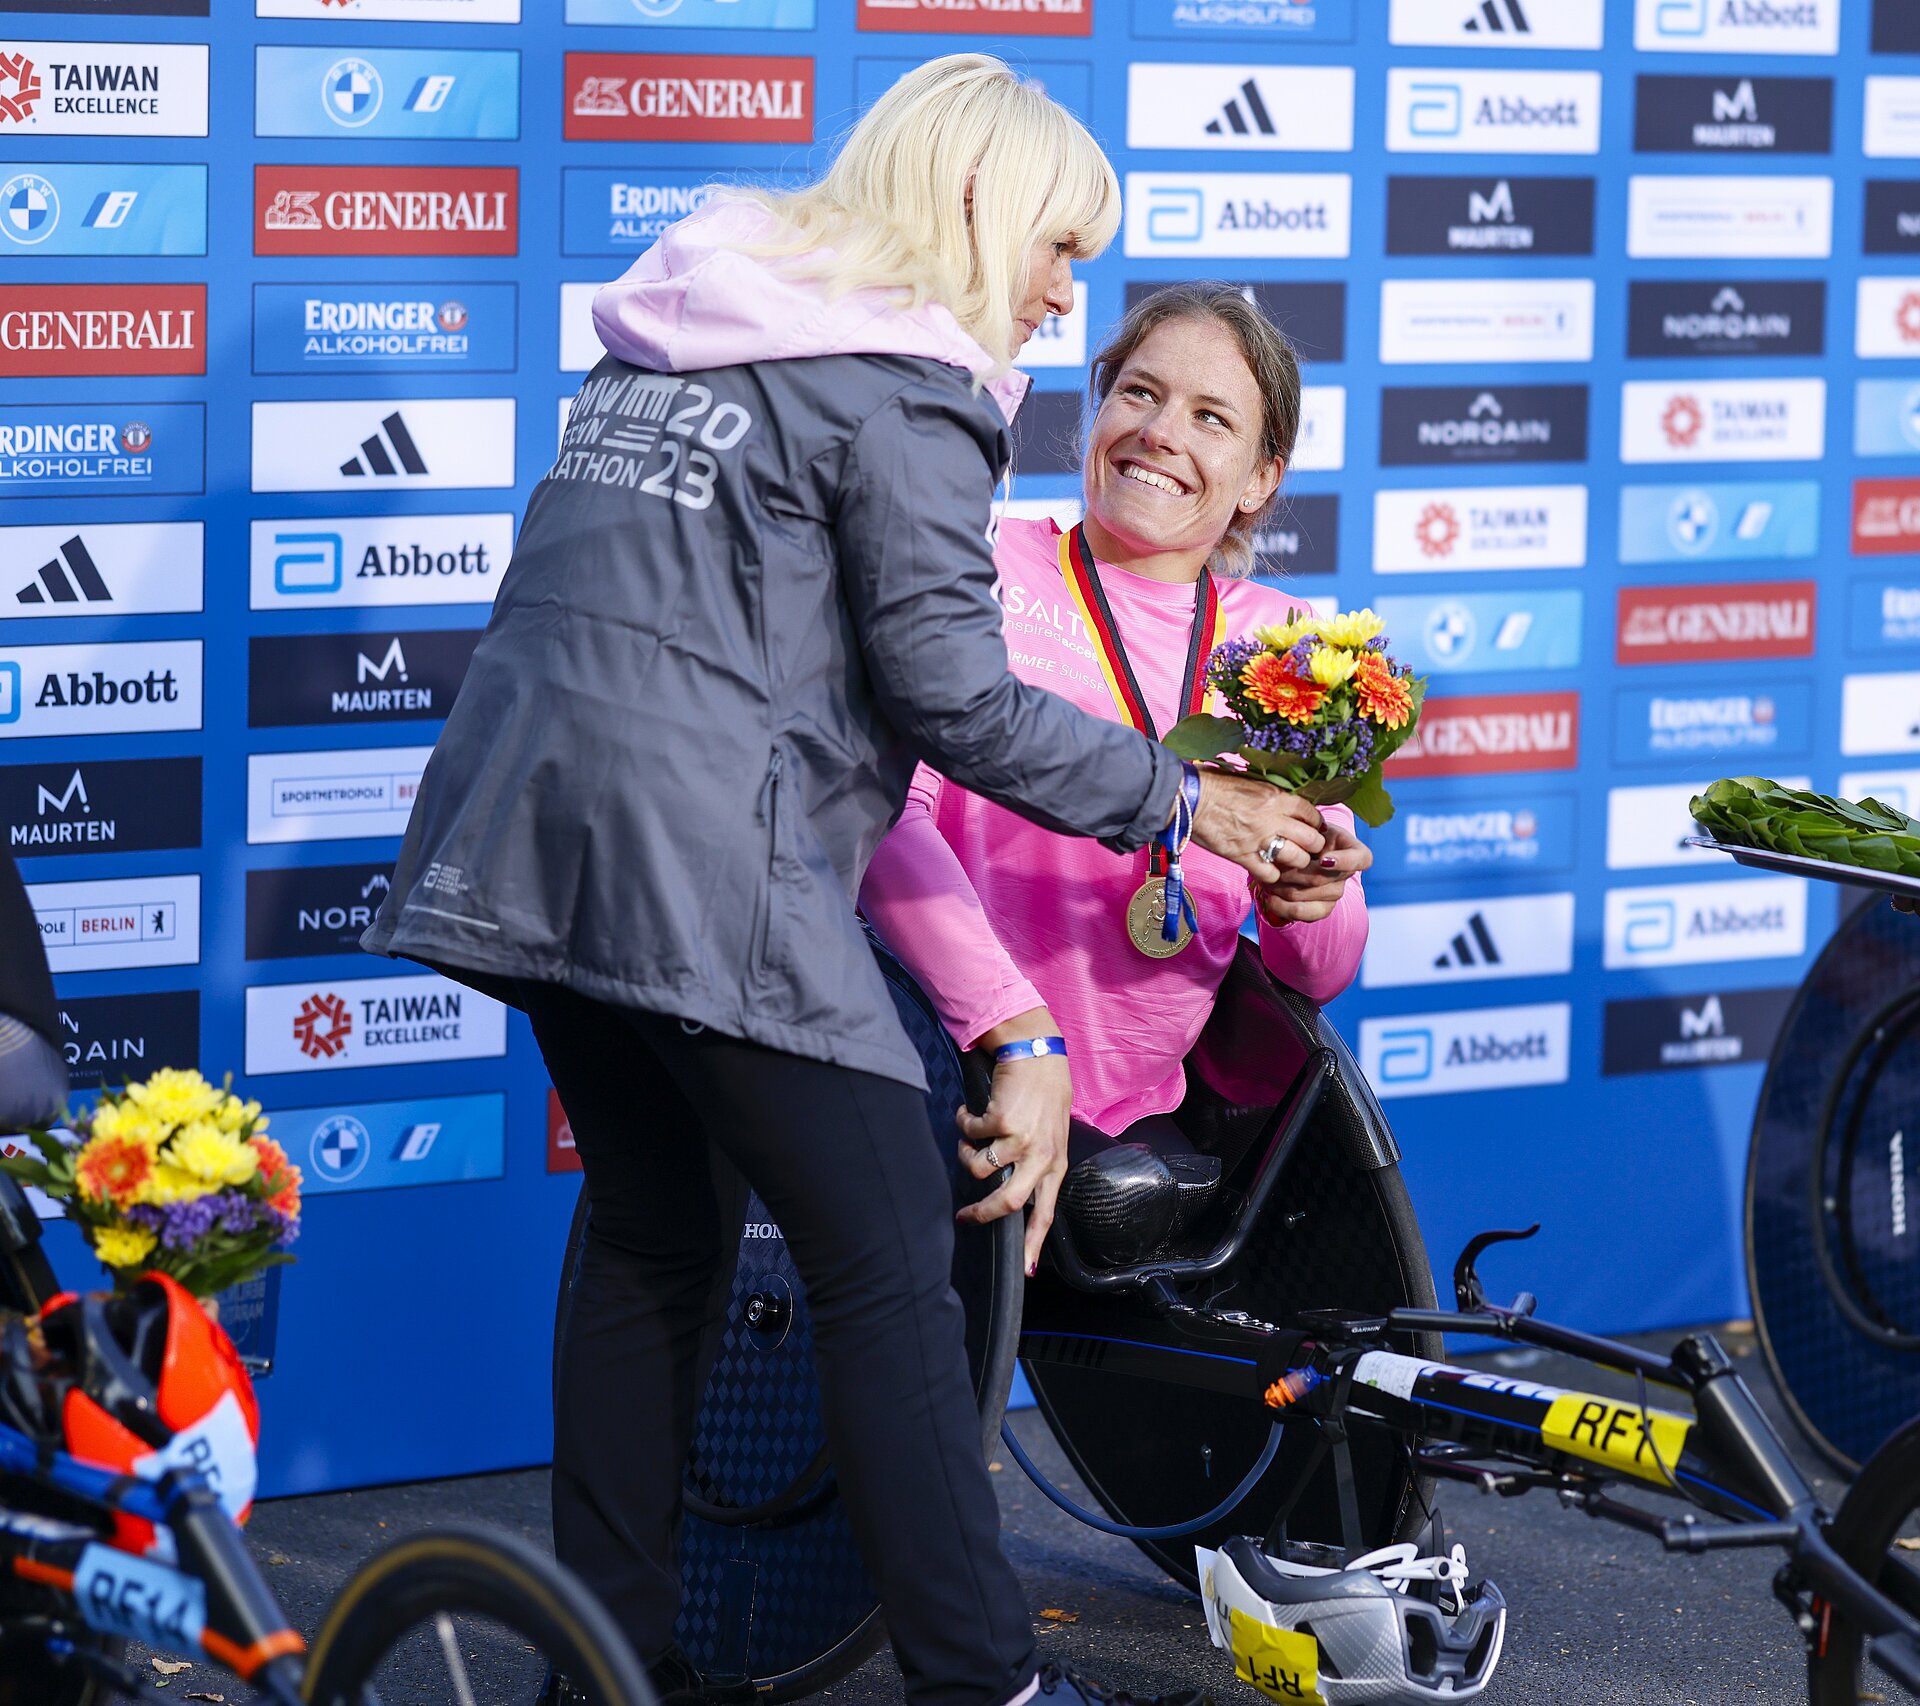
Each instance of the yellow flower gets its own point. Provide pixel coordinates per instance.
(232, 1114)
(1352, 628)
(173, 1184)
(122, 1246)
(1331, 666)
(1280, 636)
(206, 1152)
(176, 1098)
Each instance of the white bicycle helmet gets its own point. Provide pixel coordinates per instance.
(1391, 1627)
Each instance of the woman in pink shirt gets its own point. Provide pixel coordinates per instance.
(1015, 932)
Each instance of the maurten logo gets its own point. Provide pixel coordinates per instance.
(1234, 121)
(70, 578)
(393, 661)
(379, 452)
(351, 92)
(1474, 946)
(29, 209)
(76, 789)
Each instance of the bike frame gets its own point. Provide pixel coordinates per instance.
(1329, 1369)
(195, 1588)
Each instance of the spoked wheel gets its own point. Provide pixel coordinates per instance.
(465, 1616)
(28, 1676)
(1877, 1531)
(1163, 1447)
(774, 1590)
(1833, 1191)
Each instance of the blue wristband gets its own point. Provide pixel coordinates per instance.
(1190, 784)
(1030, 1048)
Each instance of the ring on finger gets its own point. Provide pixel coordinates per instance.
(987, 1154)
(1271, 852)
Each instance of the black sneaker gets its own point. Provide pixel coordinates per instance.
(1072, 1689)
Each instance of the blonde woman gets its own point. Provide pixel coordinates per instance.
(754, 590)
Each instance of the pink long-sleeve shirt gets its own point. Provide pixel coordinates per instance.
(994, 915)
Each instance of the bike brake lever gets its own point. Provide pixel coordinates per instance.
(1468, 1292)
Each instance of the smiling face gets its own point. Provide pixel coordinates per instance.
(1175, 451)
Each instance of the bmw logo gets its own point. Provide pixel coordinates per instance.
(135, 436)
(452, 316)
(340, 1148)
(29, 209)
(351, 92)
(1692, 521)
(655, 8)
(1450, 632)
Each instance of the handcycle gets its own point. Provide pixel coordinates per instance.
(1282, 1377)
(93, 1557)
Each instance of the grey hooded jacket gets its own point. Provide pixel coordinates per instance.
(744, 602)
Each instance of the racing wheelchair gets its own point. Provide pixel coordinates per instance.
(127, 1426)
(1282, 1377)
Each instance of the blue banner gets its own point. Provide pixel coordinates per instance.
(102, 449)
(1886, 417)
(623, 212)
(1505, 830)
(72, 207)
(695, 14)
(1735, 730)
(1252, 21)
(386, 92)
(1884, 614)
(1726, 521)
(380, 1146)
(386, 328)
(1481, 633)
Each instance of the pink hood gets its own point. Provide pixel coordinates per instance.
(695, 301)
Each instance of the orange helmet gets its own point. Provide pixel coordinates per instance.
(152, 1384)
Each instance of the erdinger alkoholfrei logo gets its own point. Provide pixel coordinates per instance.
(29, 209)
(322, 1026)
(19, 88)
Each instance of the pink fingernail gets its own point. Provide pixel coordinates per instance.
(1032, 1269)
(1328, 862)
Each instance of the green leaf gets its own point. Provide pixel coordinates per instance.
(1202, 736)
(1371, 802)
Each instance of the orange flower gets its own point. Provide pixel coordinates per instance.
(1274, 687)
(1381, 694)
(281, 1176)
(114, 1169)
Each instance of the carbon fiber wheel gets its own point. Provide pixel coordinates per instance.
(775, 1592)
(1833, 1191)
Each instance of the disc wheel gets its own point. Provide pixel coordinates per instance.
(1833, 1192)
(466, 1615)
(774, 1589)
(1337, 1234)
(1877, 1522)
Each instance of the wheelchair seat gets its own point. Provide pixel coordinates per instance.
(1310, 1212)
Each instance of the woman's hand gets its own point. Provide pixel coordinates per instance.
(1024, 1127)
(1306, 896)
(1240, 817)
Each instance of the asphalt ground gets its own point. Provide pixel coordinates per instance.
(1598, 1613)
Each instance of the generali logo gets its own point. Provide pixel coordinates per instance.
(1710, 624)
(1488, 735)
(1886, 517)
(103, 328)
(983, 17)
(386, 210)
(690, 97)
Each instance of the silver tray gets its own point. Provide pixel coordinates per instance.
(1799, 865)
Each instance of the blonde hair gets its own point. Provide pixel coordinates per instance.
(1271, 361)
(892, 208)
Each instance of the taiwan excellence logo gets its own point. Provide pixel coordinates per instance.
(323, 1026)
(19, 88)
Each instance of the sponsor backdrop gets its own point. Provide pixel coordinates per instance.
(1610, 314)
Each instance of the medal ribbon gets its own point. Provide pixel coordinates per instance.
(1082, 576)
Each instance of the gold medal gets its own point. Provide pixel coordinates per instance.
(1146, 912)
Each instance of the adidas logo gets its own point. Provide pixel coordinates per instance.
(69, 579)
(1498, 18)
(379, 452)
(1233, 120)
(1472, 947)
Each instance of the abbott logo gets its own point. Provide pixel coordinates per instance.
(1680, 17)
(1435, 109)
(1406, 1057)
(1649, 927)
(1176, 215)
(307, 562)
(9, 692)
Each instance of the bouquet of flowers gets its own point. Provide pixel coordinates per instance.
(173, 1175)
(1317, 707)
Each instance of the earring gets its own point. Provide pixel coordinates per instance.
(1246, 503)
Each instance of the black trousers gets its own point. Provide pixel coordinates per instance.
(671, 1124)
